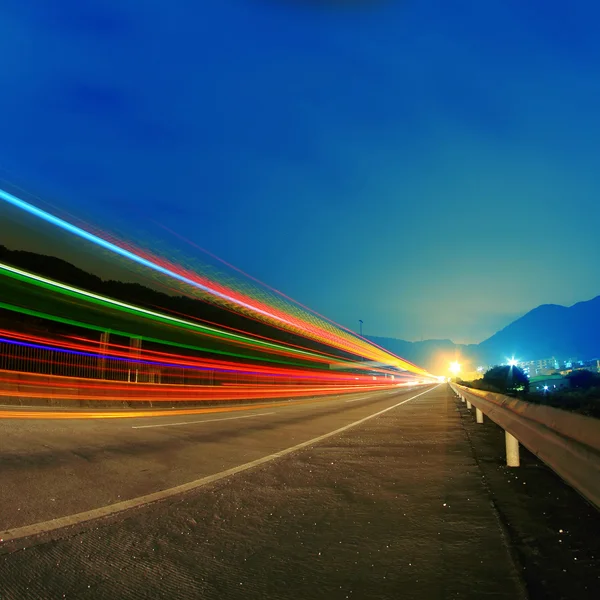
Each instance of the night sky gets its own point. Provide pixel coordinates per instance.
(430, 167)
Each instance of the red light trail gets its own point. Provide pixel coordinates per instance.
(186, 358)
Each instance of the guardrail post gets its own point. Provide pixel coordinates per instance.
(468, 405)
(512, 450)
(479, 415)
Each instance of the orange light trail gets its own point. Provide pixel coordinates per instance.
(177, 357)
(139, 413)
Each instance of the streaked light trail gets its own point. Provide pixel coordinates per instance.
(174, 357)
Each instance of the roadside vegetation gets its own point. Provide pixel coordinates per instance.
(582, 396)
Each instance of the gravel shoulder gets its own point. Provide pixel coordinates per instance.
(554, 533)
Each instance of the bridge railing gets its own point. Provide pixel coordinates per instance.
(568, 443)
(29, 358)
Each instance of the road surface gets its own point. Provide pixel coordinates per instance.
(409, 500)
(393, 507)
(54, 467)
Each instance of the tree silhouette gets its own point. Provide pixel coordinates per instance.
(506, 379)
(583, 379)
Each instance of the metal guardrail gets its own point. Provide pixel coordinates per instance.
(567, 442)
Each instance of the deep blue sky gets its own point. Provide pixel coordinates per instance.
(431, 167)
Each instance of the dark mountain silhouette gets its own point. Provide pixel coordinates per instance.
(433, 355)
(137, 294)
(546, 331)
(50, 266)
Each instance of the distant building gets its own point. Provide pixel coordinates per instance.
(590, 365)
(552, 366)
(580, 365)
(542, 366)
(548, 383)
(546, 367)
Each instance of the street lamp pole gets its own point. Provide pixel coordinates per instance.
(361, 324)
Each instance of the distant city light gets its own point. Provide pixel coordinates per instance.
(545, 388)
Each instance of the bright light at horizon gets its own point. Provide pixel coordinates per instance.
(513, 362)
(455, 367)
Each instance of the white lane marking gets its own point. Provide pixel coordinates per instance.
(203, 421)
(356, 399)
(389, 392)
(106, 511)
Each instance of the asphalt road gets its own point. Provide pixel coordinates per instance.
(393, 507)
(396, 495)
(52, 468)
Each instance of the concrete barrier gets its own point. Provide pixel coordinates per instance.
(567, 442)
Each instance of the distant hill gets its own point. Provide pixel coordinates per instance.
(548, 330)
(50, 266)
(433, 355)
(139, 295)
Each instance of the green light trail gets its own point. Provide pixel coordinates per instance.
(105, 302)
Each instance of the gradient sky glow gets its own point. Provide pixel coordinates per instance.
(430, 167)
